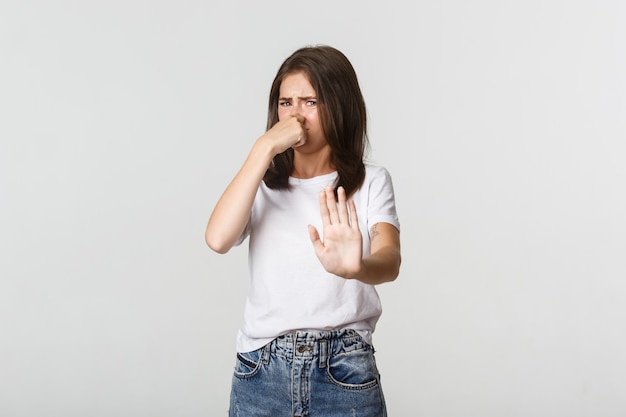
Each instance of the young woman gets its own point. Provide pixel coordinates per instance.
(323, 231)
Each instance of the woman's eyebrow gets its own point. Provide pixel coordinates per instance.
(299, 98)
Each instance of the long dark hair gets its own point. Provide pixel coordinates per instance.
(341, 110)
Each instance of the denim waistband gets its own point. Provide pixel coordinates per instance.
(317, 343)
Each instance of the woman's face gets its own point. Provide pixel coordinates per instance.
(297, 97)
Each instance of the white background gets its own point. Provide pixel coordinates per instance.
(501, 122)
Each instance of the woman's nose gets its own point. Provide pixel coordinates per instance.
(295, 111)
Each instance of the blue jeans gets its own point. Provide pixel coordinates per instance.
(317, 374)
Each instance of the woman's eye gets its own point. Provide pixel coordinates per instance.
(284, 103)
(311, 103)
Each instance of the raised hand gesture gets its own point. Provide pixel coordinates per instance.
(341, 249)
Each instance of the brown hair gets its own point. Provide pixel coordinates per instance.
(341, 111)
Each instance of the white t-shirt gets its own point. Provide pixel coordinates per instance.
(289, 288)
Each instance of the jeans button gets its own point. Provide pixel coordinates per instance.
(301, 348)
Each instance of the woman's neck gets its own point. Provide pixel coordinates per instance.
(309, 166)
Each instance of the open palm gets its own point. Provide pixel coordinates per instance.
(341, 249)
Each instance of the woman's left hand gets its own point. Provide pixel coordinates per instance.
(341, 251)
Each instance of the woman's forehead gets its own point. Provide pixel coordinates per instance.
(297, 83)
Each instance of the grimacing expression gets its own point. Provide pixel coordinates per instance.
(298, 97)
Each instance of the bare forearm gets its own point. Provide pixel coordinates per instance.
(231, 212)
(382, 266)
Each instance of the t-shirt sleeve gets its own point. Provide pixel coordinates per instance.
(382, 202)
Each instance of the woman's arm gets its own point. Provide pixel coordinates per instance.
(383, 264)
(230, 215)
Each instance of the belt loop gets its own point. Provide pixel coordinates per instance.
(323, 346)
(265, 354)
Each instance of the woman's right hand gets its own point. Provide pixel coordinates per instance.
(285, 134)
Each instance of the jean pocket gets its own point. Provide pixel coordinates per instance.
(248, 363)
(353, 370)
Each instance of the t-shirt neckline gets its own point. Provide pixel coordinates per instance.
(325, 179)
